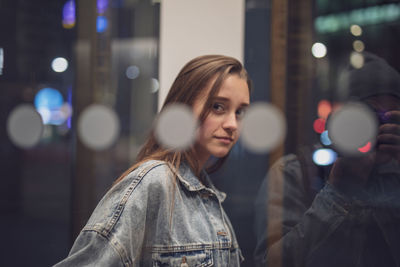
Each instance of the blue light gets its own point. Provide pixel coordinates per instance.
(49, 103)
(48, 98)
(324, 156)
(101, 24)
(325, 138)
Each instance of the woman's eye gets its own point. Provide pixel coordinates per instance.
(240, 112)
(217, 107)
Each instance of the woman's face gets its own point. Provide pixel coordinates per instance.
(220, 130)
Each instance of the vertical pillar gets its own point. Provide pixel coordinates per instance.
(279, 21)
(291, 75)
(300, 73)
(92, 85)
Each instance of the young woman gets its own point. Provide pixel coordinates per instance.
(164, 210)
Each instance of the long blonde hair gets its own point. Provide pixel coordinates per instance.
(191, 81)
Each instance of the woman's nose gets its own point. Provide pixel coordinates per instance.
(230, 122)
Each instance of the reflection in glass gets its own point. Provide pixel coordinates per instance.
(24, 126)
(263, 127)
(98, 127)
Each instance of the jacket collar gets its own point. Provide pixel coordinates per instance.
(192, 183)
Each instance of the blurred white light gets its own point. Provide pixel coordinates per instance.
(55, 116)
(176, 127)
(59, 64)
(263, 127)
(45, 113)
(132, 72)
(358, 46)
(24, 126)
(318, 50)
(355, 30)
(357, 60)
(351, 127)
(324, 156)
(155, 85)
(98, 127)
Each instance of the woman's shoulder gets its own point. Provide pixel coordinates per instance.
(147, 175)
(149, 178)
(149, 168)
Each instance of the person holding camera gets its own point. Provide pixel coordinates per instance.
(349, 216)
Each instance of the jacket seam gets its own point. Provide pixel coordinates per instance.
(110, 225)
(192, 247)
(117, 247)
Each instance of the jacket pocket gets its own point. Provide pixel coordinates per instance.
(198, 258)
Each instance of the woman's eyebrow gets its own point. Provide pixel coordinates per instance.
(220, 98)
(225, 99)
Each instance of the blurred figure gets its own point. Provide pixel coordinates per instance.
(350, 215)
(164, 210)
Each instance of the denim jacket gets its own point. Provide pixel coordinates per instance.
(354, 228)
(147, 219)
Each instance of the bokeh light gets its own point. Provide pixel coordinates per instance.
(318, 50)
(59, 64)
(155, 85)
(69, 15)
(45, 113)
(355, 30)
(50, 104)
(101, 24)
(24, 126)
(357, 60)
(66, 109)
(102, 6)
(69, 101)
(351, 127)
(324, 138)
(319, 125)
(324, 109)
(176, 127)
(1, 60)
(365, 148)
(324, 156)
(370, 15)
(49, 98)
(132, 72)
(98, 127)
(358, 46)
(263, 127)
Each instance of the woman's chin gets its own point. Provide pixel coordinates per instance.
(221, 153)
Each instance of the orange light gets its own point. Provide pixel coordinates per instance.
(365, 148)
(319, 125)
(324, 108)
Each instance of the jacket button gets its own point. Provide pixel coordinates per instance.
(222, 233)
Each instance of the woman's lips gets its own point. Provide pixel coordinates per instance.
(224, 140)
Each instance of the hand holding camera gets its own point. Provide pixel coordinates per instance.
(388, 139)
(356, 170)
